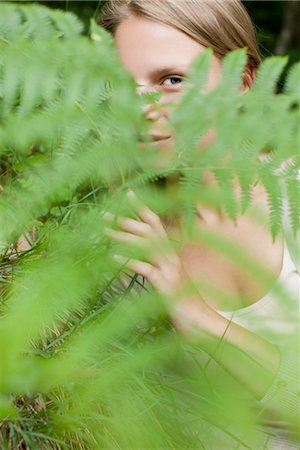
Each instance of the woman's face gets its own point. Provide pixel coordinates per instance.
(158, 57)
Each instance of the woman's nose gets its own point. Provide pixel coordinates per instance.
(151, 111)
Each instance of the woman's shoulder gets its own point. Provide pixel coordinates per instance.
(250, 235)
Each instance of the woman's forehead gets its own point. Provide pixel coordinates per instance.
(146, 47)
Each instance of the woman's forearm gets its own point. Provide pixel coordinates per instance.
(250, 359)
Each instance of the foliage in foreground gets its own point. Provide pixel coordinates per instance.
(86, 363)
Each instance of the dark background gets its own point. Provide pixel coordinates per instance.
(277, 22)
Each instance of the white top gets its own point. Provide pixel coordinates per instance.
(275, 316)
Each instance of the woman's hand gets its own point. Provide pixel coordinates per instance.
(252, 360)
(160, 264)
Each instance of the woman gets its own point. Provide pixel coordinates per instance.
(157, 41)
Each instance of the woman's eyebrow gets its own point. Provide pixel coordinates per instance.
(167, 70)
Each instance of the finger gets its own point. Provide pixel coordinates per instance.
(128, 224)
(142, 268)
(136, 227)
(123, 236)
(137, 245)
(132, 226)
(146, 214)
(109, 217)
(161, 247)
(160, 250)
(160, 253)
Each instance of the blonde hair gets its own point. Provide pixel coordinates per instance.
(222, 25)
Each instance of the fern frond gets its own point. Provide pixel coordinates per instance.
(10, 22)
(232, 71)
(180, 119)
(70, 123)
(292, 183)
(271, 182)
(36, 22)
(228, 198)
(268, 75)
(191, 185)
(292, 83)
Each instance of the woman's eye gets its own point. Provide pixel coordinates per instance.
(172, 81)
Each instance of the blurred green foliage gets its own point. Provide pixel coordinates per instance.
(89, 358)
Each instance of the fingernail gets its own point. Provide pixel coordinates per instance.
(108, 231)
(130, 193)
(108, 216)
(119, 259)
